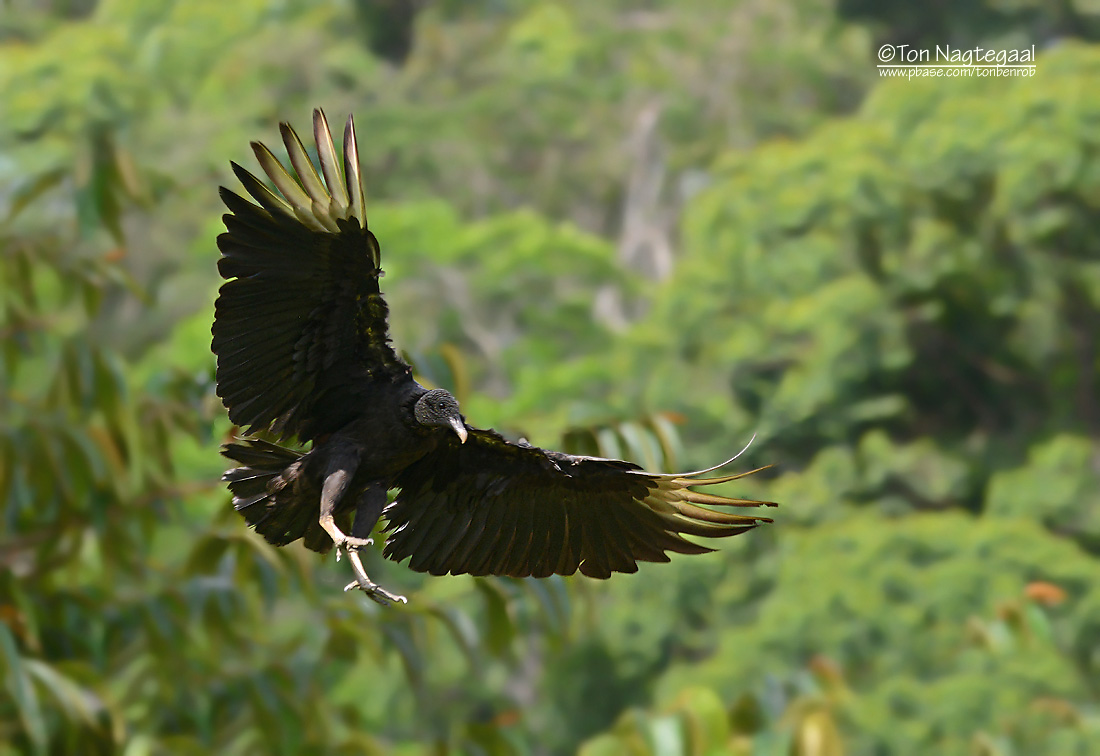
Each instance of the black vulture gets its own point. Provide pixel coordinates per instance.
(304, 354)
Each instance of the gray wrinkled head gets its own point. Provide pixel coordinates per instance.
(438, 408)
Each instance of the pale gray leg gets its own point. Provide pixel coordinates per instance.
(336, 484)
(341, 471)
(368, 510)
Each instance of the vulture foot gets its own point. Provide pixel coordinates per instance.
(364, 583)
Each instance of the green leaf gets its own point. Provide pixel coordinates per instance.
(17, 679)
(24, 196)
(500, 629)
(79, 703)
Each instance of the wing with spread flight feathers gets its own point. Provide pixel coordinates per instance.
(300, 327)
(492, 507)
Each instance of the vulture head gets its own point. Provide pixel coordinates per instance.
(438, 409)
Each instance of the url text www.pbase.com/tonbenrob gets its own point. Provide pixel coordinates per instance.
(908, 61)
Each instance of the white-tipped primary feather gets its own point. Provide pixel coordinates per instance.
(268, 200)
(303, 166)
(330, 166)
(351, 174)
(291, 189)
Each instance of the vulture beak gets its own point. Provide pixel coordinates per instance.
(459, 428)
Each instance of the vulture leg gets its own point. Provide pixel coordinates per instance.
(336, 484)
(368, 510)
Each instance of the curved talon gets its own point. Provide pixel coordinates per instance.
(377, 593)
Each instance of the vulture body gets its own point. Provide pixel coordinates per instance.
(303, 353)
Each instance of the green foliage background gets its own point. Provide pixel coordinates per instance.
(640, 229)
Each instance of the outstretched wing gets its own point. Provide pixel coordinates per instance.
(300, 328)
(491, 507)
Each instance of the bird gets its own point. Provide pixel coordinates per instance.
(331, 419)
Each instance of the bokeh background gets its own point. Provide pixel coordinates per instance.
(644, 228)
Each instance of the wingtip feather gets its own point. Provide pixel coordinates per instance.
(259, 191)
(352, 175)
(291, 190)
(303, 166)
(330, 166)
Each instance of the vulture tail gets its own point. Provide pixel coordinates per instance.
(274, 495)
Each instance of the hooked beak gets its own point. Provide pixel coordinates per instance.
(459, 429)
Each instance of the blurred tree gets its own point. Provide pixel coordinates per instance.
(936, 627)
(926, 271)
(973, 22)
(903, 303)
(389, 26)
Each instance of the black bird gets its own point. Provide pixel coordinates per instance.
(304, 353)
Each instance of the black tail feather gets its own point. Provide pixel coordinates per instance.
(275, 495)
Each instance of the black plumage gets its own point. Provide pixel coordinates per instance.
(300, 332)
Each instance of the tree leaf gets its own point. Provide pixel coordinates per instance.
(17, 680)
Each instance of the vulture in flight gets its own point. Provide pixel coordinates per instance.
(304, 355)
